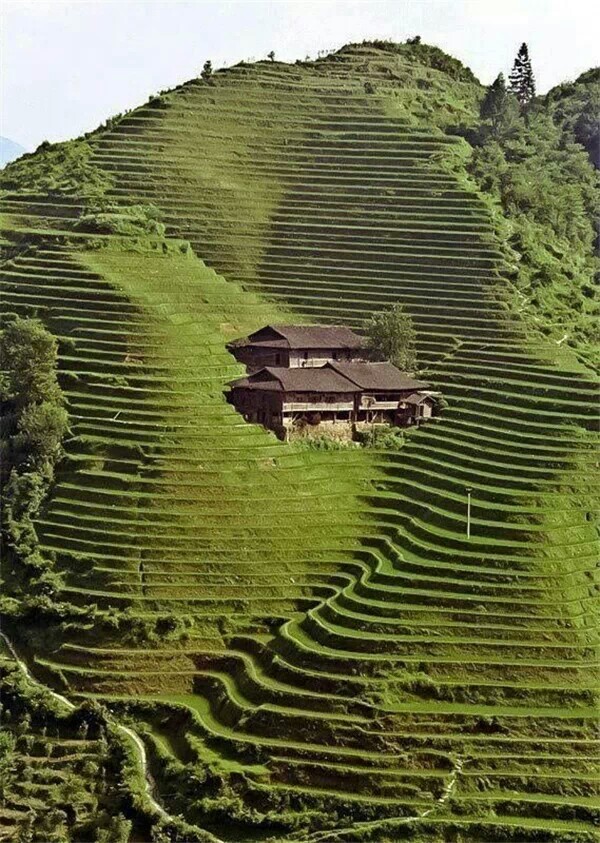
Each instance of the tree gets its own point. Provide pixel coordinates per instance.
(26, 828)
(207, 71)
(587, 130)
(391, 336)
(82, 730)
(159, 834)
(120, 829)
(7, 758)
(522, 81)
(501, 108)
(54, 821)
(271, 55)
(24, 724)
(28, 359)
(41, 430)
(94, 715)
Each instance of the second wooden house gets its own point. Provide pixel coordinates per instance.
(297, 346)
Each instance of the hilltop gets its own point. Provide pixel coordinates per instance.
(307, 642)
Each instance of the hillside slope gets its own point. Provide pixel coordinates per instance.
(310, 643)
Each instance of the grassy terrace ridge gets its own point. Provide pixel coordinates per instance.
(307, 641)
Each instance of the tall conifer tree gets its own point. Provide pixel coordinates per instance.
(522, 81)
(501, 108)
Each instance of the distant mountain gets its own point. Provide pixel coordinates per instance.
(9, 150)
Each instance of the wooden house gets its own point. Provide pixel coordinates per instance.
(297, 346)
(278, 397)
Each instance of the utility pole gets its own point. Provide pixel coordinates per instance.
(468, 490)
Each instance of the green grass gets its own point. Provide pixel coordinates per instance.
(337, 621)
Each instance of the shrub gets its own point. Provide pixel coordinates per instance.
(41, 430)
(384, 437)
(158, 101)
(130, 221)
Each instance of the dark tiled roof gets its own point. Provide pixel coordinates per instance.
(308, 379)
(417, 398)
(333, 377)
(295, 337)
(383, 377)
(267, 342)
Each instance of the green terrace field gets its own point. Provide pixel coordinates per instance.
(309, 644)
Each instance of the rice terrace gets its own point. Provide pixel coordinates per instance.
(215, 633)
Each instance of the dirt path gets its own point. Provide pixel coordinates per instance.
(125, 730)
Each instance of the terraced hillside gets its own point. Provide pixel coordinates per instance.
(310, 644)
(64, 774)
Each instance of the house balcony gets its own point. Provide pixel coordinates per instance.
(378, 405)
(317, 407)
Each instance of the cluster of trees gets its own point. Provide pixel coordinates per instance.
(502, 105)
(33, 425)
(92, 800)
(575, 108)
(34, 418)
(533, 163)
(413, 48)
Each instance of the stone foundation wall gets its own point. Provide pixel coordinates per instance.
(338, 431)
(341, 431)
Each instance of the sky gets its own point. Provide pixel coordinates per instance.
(67, 65)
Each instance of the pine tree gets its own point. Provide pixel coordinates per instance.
(500, 107)
(522, 81)
(493, 103)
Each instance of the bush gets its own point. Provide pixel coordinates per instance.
(41, 430)
(384, 437)
(158, 101)
(324, 443)
(130, 221)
